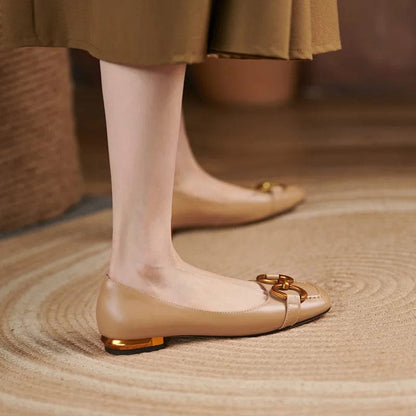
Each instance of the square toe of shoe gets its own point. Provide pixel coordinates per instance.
(288, 197)
(317, 302)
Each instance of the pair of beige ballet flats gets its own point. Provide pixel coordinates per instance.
(132, 322)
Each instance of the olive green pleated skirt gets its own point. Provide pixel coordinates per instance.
(150, 32)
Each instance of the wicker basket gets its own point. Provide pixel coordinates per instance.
(40, 174)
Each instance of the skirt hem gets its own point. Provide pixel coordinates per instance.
(98, 53)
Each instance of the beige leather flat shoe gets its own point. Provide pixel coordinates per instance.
(133, 322)
(191, 211)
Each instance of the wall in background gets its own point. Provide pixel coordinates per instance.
(378, 56)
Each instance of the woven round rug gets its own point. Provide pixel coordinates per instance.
(357, 359)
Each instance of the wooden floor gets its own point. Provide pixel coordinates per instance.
(302, 143)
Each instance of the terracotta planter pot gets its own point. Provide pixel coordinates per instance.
(245, 81)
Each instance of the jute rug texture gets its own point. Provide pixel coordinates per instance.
(358, 243)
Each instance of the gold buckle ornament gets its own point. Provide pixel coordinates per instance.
(282, 282)
(267, 186)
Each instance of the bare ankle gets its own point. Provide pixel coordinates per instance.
(131, 270)
(146, 271)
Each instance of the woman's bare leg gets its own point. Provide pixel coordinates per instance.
(190, 177)
(142, 108)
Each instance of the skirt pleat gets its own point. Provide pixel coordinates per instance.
(152, 32)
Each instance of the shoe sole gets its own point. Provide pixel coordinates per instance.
(163, 345)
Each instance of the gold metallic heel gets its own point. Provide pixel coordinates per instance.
(132, 346)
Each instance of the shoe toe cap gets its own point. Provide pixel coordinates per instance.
(317, 302)
(287, 197)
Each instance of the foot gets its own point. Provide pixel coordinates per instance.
(202, 200)
(183, 284)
